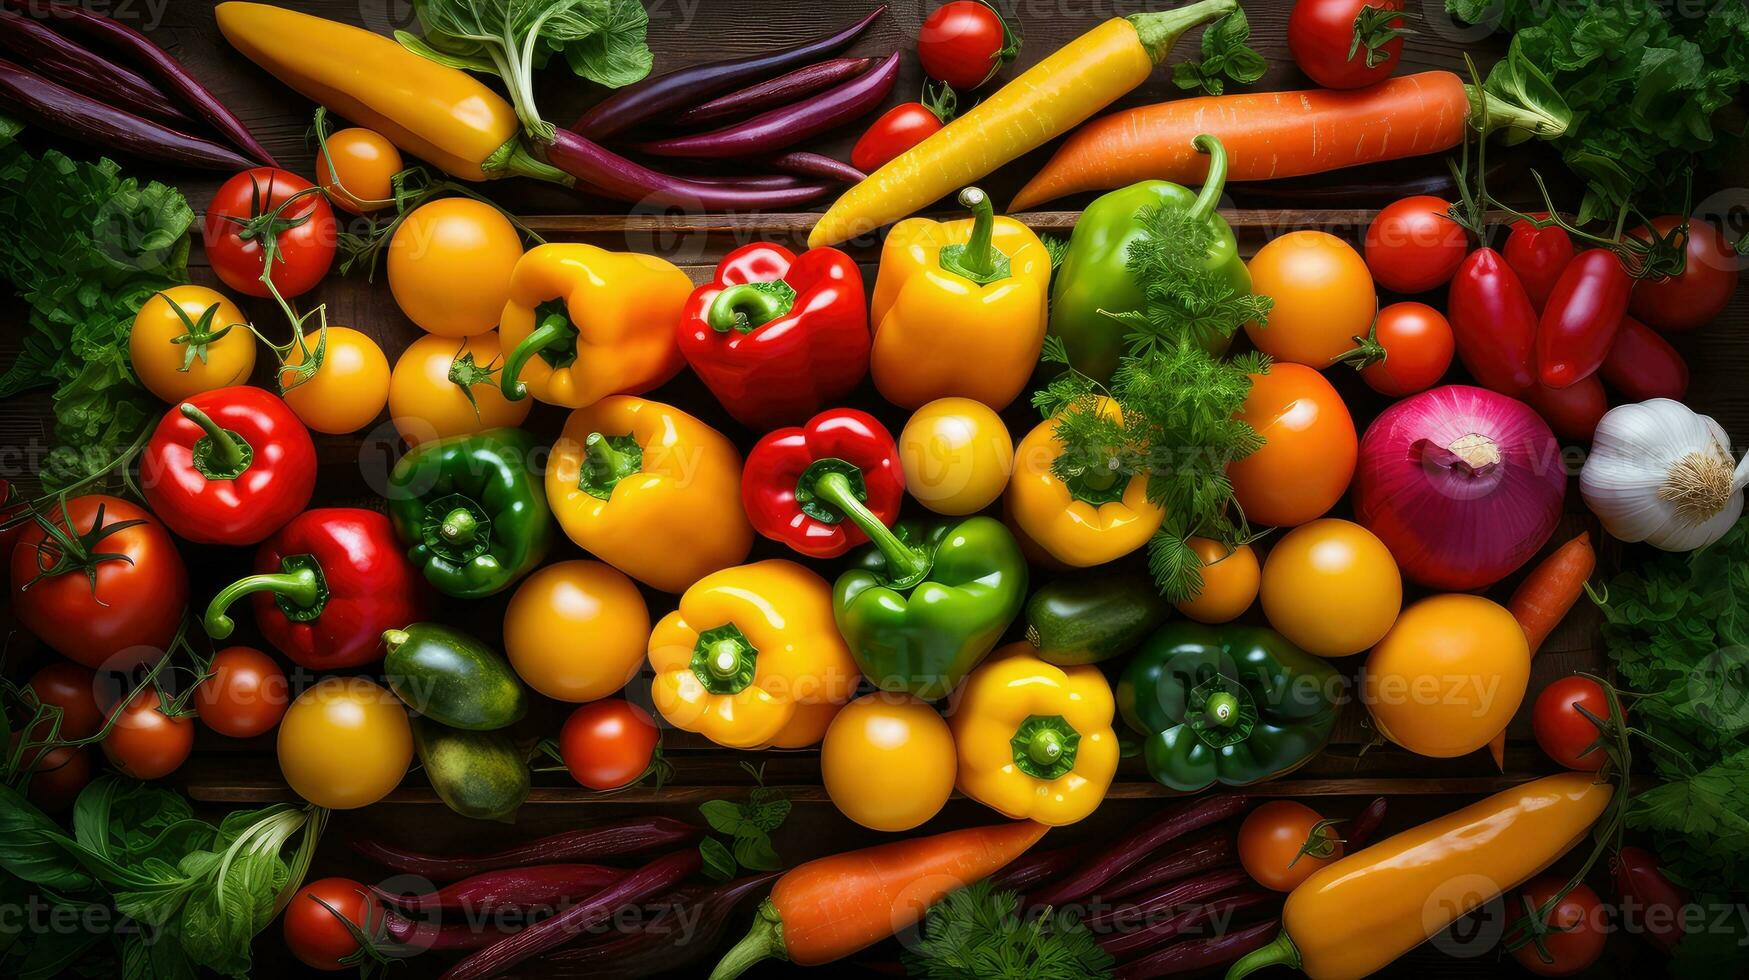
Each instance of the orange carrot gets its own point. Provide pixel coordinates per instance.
(1544, 598)
(832, 907)
(1273, 134)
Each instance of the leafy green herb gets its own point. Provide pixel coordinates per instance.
(979, 933)
(1226, 53)
(748, 825)
(602, 40)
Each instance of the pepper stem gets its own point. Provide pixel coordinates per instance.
(1281, 951)
(1045, 748)
(1222, 710)
(301, 586)
(553, 330)
(219, 455)
(724, 659)
(763, 941)
(459, 527)
(976, 257)
(907, 563)
(1215, 182)
(747, 306)
(1160, 30)
(395, 639)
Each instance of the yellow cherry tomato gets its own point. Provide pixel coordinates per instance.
(1331, 587)
(1448, 676)
(430, 387)
(350, 386)
(576, 630)
(174, 348)
(957, 455)
(888, 761)
(344, 743)
(365, 163)
(450, 264)
(1229, 582)
(1323, 293)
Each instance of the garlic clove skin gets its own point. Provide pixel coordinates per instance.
(1662, 474)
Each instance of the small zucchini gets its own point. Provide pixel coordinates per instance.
(482, 775)
(452, 678)
(1089, 618)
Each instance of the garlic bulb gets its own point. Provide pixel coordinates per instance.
(1661, 474)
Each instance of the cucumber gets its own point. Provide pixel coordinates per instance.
(452, 678)
(1089, 618)
(482, 775)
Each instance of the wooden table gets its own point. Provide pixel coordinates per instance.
(226, 773)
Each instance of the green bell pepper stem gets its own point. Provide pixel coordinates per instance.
(1281, 951)
(604, 466)
(907, 563)
(1222, 710)
(1160, 30)
(724, 659)
(459, 527)
(753, 303)
(394, 639)
(302, 587)
(219, 455)
(1215, 182)
(553, 330)
(1045, 747)
(976, 257)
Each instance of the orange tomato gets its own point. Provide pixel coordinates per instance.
(1276, 846)
(1309, 450)
(358, 170)
(1323, 295)
(1229, 582)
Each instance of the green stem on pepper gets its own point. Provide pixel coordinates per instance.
(554, 331)
(301, 587)
(605, 464)
(978, 259)
(747, 306)
(220, 454)
(909, 565)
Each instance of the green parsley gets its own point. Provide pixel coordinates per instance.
(979, 933)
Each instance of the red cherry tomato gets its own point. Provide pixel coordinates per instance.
(964, 44)
(1576, 928)
(1703, 290)
(1321, 32)
(608, 744)
(1563, 733)
(244, 695)
(1641, 364)
(73, 689)
(314, 929)
(1276, 845)
(897, 130)
(144, 742)
(1651, 904)
(1411, 348)
(307, 234)
(1574, 411)
(1538, 256)
(1414, 245)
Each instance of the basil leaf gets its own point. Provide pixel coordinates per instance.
(31, 849)
(757, 854)
(724, 817)
(719, 864)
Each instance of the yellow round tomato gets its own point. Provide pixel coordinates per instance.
(576, 630)
(1308, 452)
(1323, 295)
(365, 163)
(957, 455)
(450, 264)
(344, 743)
(428, 391)
(888, 761)
(173, 371)
(1331, 587)
(349, 388)
(1448, 676)
(1229, 582)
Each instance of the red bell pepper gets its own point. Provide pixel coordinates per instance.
(1538, 256)
(1493, 322)
(1583, 316)
(800, 482)
(229, 466)
(1642, 364)
(775, 336)
(326, 587)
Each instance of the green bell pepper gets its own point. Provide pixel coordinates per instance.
(1233, 705)
(927, 602)
(472, 511)
(1095, 279)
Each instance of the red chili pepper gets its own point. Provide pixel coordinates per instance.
(1493, 322)
(1642, 364)
(1582, 317)
(776, 336)
(800, 482)
(326, 587)
(1538, 256)
(1651, 904)
(229, 466)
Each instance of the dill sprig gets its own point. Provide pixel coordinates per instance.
(979, 933)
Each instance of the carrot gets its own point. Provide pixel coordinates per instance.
(1274, 134)
(831, 907)
(1543, 599)
(1047, 100)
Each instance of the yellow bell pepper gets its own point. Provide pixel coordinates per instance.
(1086, 520)
(650, 490)
(749, 648)
(959, 308)
(584, 323)
(1035, 740)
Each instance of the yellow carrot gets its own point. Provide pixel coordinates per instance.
(1047, 100)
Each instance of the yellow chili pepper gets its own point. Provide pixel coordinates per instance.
(959, 308)
(650, 490)
(1035, 740)
(584, 323)
(1090, 519)
(749, 648)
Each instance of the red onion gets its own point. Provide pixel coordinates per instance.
(1462, 484)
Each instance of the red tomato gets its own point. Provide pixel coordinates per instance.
(1574, 411)
(132, 609)
(244, 695)
(1563, 733)
(1538, 256)
(314, 929)
(1414, 245)
(1576, 928)
(1276, 848)
(964, 44)
(73, 689)
(1701, 293)
(306, 234)
(1415, 346)
(608, 744)
(1651, 904)
(58, 775)
(897, 130)
(144, 742)
(1321, 32)
(1309, 450)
